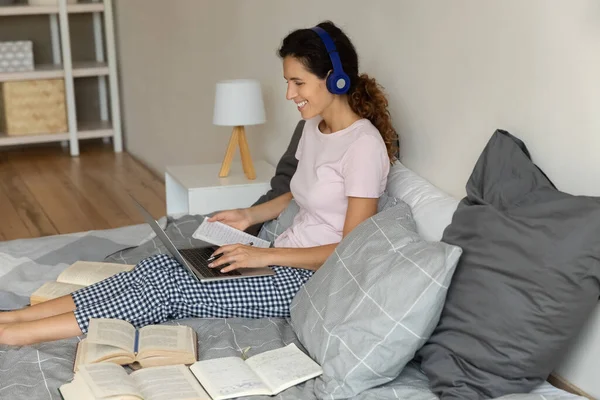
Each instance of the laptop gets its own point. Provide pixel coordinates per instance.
(195, 260)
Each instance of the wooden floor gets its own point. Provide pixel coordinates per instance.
(44, 191)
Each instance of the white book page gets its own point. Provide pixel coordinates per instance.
(100, 352)
(227, 378)
(77, 389)
(219, 234)
(172, 382)
(86, 273)
(113, 332)
(107, 379)
(284, 367)
(172, 338)
(53, 290)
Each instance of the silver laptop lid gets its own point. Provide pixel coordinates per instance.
(160, 233)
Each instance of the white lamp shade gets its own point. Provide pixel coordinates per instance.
(239, 102)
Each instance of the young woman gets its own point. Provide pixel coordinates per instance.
(344, 159)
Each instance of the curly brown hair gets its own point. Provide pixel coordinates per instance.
(369, 101)
(366, 97)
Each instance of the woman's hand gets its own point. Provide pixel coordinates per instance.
(240, 256)
(239, 218)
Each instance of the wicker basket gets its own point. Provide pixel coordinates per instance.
(33, 107)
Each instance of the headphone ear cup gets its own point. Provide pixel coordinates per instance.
(338, 83)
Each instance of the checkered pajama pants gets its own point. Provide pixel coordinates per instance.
(159, 289)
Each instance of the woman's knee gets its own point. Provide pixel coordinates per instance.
(156, 263)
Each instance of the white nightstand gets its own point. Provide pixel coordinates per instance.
(197, 189)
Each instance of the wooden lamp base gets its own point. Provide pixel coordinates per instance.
(238, 137)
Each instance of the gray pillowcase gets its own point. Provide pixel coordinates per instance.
(374, 302)
(526, 283)
(286, 167)
(275, 227)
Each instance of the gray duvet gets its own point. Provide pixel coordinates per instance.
(36, 372)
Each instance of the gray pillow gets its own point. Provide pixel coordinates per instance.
(526, 283)
(275, 227)
(374, 302)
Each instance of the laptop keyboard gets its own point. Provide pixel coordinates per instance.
(198, 257)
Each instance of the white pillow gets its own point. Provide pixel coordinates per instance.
(431, 208)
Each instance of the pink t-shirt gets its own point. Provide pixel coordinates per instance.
(352, 162)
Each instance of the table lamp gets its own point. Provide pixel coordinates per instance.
(238, 103)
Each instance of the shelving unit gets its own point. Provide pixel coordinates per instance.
(41, 10)
(51, 71)
(105, 68)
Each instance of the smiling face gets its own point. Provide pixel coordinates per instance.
(307, 90)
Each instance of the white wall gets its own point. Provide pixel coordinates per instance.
(455, 71)
(466, 67)
(170, 55)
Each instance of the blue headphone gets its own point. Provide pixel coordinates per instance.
(338, 82)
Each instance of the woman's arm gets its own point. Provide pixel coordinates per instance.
(242, 218)
(359, 209)
(269, 210)
(241, 256)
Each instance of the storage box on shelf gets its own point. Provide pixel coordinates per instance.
(16, 56)
(33, 107)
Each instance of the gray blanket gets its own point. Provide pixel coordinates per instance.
(26, 264)
(36, 372)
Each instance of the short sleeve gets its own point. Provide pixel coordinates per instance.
(365, 168)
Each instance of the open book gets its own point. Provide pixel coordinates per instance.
(111, 381)
(118, 342)
(267, 373)
(80, 274)
(220, 234)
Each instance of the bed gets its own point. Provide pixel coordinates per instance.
(36, 372)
